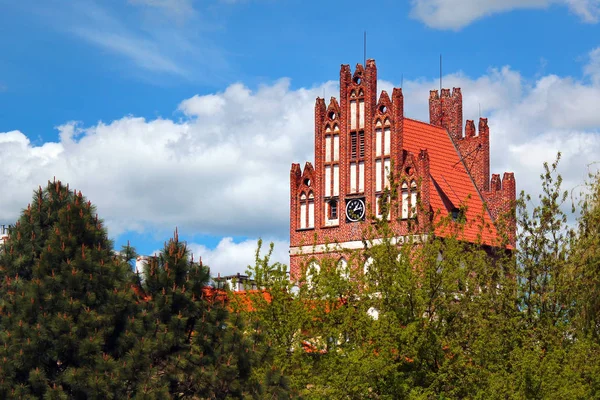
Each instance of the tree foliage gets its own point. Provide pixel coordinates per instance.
(430, 319)
(197, 348)
(445, 319)
(76, 322)
(65, 299)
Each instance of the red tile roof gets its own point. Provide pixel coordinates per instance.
(451, 184)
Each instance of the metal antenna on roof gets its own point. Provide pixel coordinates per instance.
(365, 51)
(440, 74)
(402, 82)
(479, 110)
(441, 100)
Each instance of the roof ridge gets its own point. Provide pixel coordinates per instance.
(425, 124)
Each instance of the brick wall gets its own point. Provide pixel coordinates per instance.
(445, 110)
(363, 80)
(474, 149)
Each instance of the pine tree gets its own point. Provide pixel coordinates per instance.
(199, 349)
(65, 302)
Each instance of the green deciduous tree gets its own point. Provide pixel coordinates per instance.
(446, 319)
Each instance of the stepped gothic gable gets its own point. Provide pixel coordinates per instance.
(361, 139)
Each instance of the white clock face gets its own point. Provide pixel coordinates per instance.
(355, 210)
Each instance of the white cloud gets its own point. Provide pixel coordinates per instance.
(223, 168)
(456, 14)
(588, 10)
(592, 69)
(530, 121)
(229, 258)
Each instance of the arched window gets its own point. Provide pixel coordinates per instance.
(413, 199)
(368, 265)
(382, 205)
(312, 272)
(303, 209)
(311, 210)
(383, 139)
(307, 210)
(405, 205)
(409, 200)
(356, 143)
(331, 177)
(342, 267)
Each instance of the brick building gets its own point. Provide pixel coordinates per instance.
(360, 139)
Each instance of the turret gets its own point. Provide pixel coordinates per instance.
(446, 111)
(295, 176)
(496, 184)
(474, 149)
(425, 183)
(398, 113)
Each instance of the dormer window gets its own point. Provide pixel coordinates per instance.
(458, 215)
(455, 213)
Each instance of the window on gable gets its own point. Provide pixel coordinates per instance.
(303, 211)
(413, 199)
(357, 145)
(383, 206)
(409, 200)
(307, 211)
(311, 210)
(361, 136)
(405, 206)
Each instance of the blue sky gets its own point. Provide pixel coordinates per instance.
(188, 113)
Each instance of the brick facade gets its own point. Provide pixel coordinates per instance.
(362, 137)
(474, 148)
